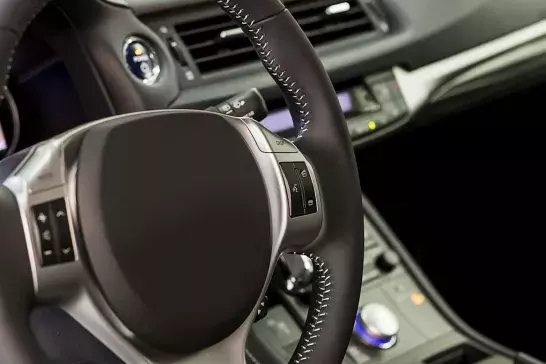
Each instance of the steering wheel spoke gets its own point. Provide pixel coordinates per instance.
(90, 310)
(43, 200)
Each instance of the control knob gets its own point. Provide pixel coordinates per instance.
(387, 261)
(376, 326)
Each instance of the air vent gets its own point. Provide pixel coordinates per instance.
(216, 42)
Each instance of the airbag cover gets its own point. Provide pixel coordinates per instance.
(175, 218)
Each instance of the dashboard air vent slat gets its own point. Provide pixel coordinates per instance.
(216, 42)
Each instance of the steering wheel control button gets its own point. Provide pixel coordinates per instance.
(60, 218)
(249, 104)
(300, 187)
(277, 143)
(45, 233)
(267, 141)
(308, 189)
(377, 326)
(295, 190)
(54, 233)
(141, 60)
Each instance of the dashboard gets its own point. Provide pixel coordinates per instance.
(388, 59)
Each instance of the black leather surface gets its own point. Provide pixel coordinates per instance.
(15, 16)
(327, 144)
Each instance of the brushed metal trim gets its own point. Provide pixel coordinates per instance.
(72, 286)
(417, 86)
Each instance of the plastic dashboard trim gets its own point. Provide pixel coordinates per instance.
(419, 86)
(435, 298)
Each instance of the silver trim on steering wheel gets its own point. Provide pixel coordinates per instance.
(48, 175)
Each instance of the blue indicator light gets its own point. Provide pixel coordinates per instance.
(370, 339)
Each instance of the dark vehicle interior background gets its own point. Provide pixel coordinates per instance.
(444, 104)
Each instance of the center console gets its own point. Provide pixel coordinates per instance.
(397, 322)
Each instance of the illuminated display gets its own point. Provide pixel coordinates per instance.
(279, 121)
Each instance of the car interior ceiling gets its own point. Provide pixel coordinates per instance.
(444, 108)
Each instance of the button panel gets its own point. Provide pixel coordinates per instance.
(267, 141)
(60, 216)
(278, 144)
(295, 190)
(303, 200)
(379, 103)
(310, 199)
(55, 240)
(45, 234)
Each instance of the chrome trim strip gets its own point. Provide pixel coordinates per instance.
(123, 3)
(418, 85)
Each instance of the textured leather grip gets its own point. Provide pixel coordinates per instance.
(292, 62)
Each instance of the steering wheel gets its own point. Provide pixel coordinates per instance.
(158, 231)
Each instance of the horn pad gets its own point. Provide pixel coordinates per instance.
(175, 218)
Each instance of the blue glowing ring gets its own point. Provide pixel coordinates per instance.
(370, 339)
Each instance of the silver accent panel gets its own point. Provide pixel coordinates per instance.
(118, 3)
(417, 86)
(231, 33)
(476, 77)
(338, 8)
(73, 288)
(41, 179)
(267, 141)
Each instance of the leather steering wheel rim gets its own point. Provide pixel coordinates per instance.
(337, 252)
